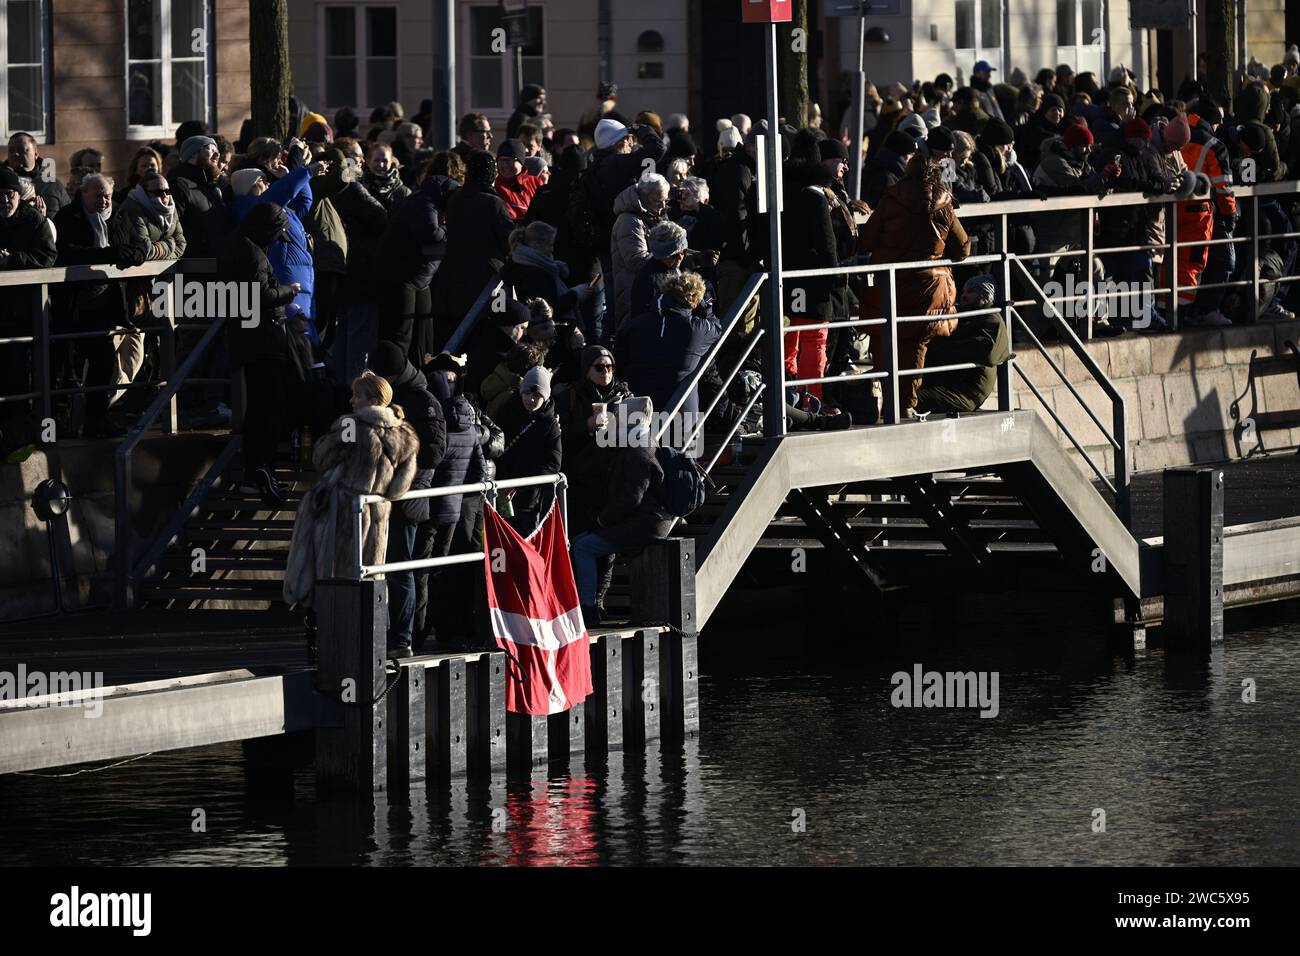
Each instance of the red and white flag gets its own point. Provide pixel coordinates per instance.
(533, 602)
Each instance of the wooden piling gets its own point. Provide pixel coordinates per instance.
(604, 708)
(352, 633)
(449, 720)
(642, 686)
(1193, 557)
(663, 584)
(486, 715)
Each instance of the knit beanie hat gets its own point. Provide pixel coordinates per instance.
(534, 165)
(592, 354)
(537, 379)
(1177, 133)
(997, 133)
(900, 144)
(940, 138)
(609, 132)
(388, 359)
(982, 286)
(9, 179)
(1077, 136)
(515, 313)
(1052, 100)
(242, 181)
(1137, 128)
(190, 148)
(913, 125)
(512, 149)
(832, 149)
(728, 136)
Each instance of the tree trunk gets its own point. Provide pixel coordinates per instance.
(1218, 52)
(794, 67)
(268, 36)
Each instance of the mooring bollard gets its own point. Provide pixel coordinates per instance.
(1193, 557)
(663, 584)
(352, 636)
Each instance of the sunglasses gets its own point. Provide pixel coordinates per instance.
(160, 192)
(604, 366)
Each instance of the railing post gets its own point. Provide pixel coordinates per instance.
(774, 399)
(888, 301)
(1119, 425)
(1089, 271)
(167, 348)
(1193, 557)
(1254, 245)
(1173, 265)
(41, 347)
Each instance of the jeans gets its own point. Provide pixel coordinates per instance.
(585, 551)
(401, 584)
(432, 541)
(354, 340)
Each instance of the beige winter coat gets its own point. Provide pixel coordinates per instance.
(370, 452)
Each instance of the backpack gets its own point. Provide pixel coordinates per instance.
(329, 240)
(683, 482)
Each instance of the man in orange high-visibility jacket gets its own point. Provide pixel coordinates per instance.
(1207, 154)
(1195, 219)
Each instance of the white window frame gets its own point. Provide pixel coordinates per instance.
(169, 122)
(1085, 56)
(966, 57)
(362, 108)
(46, 63)
(508, 82)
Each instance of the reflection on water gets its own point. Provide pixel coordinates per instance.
(1184, 770)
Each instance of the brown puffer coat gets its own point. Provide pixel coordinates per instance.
(369, 452)
(914, 222)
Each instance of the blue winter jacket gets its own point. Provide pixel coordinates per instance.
(463, 461)
(291, 260)
(659, 349)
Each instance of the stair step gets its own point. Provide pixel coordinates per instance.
(238, 524)
(253, 561)
(197, 583)
(248, 503)
(225, 534)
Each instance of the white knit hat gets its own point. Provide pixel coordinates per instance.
(728, 136)
(609, 132)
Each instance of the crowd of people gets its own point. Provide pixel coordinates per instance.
(618, 246)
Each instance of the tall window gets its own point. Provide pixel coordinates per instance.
(979, 34)
(360, 61)
(24, 52)
(1080, 38)
(168, 64)
(494, 80)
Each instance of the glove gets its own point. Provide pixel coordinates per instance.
(576, 339)
(1111, 171)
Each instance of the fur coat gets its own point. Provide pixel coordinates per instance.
(378, 459)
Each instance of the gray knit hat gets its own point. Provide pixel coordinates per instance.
(666, 239)
(537, 379)
(191, 146)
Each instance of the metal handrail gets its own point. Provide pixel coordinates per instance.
(462, 332)
(688, 386)
(559, 480)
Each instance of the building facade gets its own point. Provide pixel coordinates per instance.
(115, 74)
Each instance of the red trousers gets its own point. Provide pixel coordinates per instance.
(805, 353)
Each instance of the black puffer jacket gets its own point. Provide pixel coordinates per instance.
(808, 241)
(730, 180)
(364, 220)
(478, 230)
(532, 448)
(51, 190)
(424, 414)
(634, 513)
(415, 243)
(242, 258)
(204, 209)
(463, 462)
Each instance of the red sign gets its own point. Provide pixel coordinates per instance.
(766, 11)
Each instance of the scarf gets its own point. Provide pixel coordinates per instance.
(99, 226)
(382, 185)
(528, 256)
(153, 208)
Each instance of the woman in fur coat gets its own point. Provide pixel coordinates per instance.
(371, 452)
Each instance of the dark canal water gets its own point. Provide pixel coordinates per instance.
(801, 760)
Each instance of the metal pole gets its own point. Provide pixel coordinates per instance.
(448, 70)
(1172, 213)
(859, 111)
(774, 403)
(1254, 248)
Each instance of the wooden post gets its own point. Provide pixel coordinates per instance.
(352, 637)
(604, 708)
(408, 722)
(566, 733)
(680, 671)
(527, 743)
(1193, 556)
(663, 584)
(641, 688)
(448, 714)
(486, 714)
